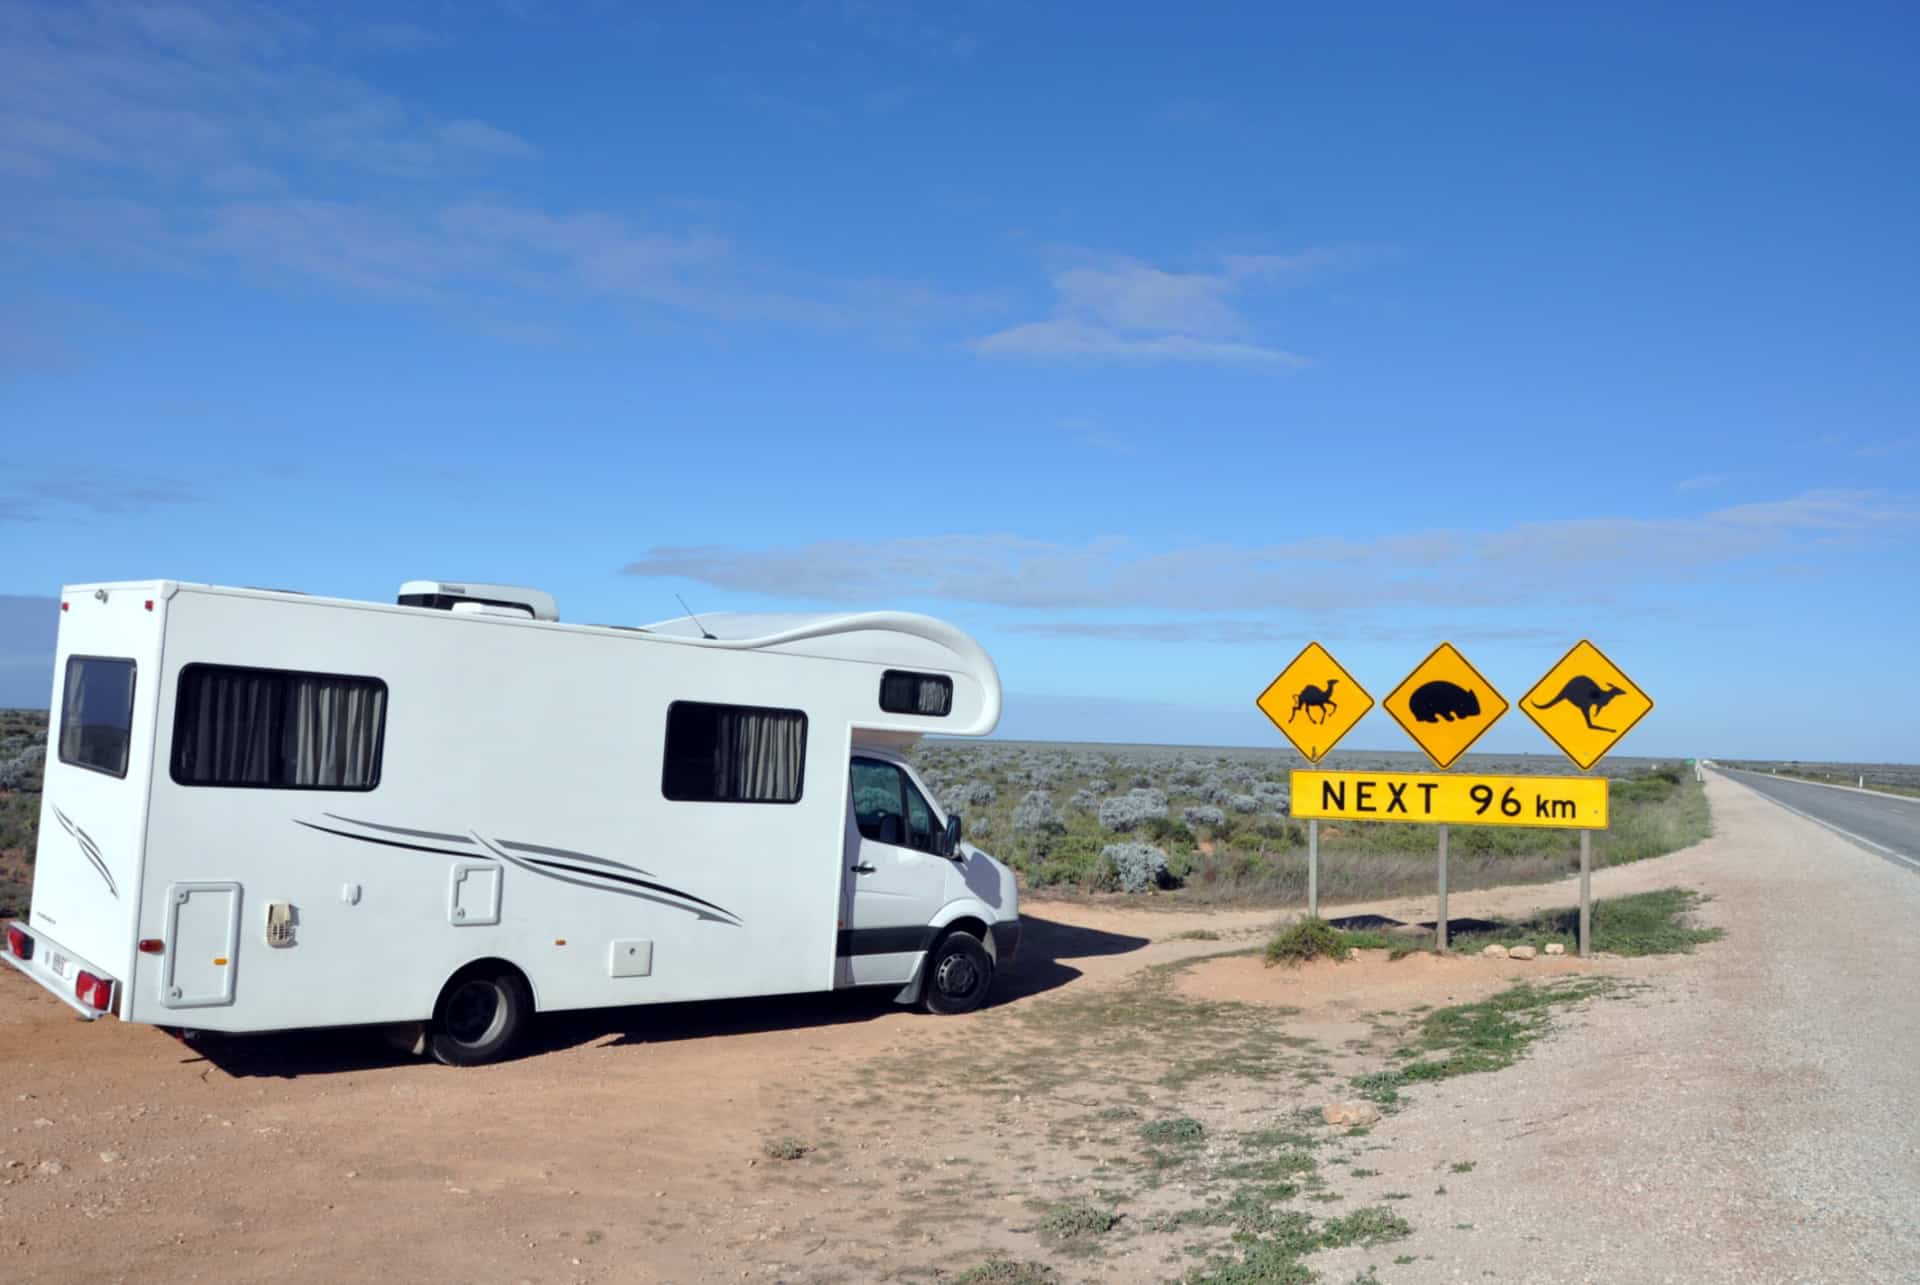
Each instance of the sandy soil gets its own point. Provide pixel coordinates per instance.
(630, 1147)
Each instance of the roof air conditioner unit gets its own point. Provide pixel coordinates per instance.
(443, 596)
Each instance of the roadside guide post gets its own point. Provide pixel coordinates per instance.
(1314, 702)
(1444, 705)
(1583, 686)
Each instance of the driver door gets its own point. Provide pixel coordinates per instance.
(896, 875)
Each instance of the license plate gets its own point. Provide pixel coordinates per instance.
(61, 965)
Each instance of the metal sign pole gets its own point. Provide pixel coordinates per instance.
(1586, 894)
(1313, 868)
(1440, 924)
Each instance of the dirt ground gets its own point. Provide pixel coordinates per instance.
(633, 1145)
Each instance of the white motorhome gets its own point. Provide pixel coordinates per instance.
(265, 810)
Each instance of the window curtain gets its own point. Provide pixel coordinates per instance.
(758, 756)
(333, 730)
(256, 727)
(935, 697)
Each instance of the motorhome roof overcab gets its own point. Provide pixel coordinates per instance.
(265, 810)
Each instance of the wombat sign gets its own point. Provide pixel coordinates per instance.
(1440, 699)
(1445, 705)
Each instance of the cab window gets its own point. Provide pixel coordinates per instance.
(888, 809)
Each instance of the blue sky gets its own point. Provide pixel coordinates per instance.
(1146, 345)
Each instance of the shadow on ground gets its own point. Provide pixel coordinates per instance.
(1041, 966)
(1421, 928)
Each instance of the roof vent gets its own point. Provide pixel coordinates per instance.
(443, 596)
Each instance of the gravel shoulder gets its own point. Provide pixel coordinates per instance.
(1748, 1118)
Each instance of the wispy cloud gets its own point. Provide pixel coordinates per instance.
(39, 501)
(1886, 448)
(394, 37)
(1089, 430)
(1704, 482)
(478, 136)
(1234, 631)
(1586, 562)
(1125, 310)
(227, 138)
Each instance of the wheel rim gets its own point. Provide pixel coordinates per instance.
(956, 977)
(476, 1012)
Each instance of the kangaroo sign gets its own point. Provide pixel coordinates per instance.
(1444, 705)
(1585, 704)
(1314, 702)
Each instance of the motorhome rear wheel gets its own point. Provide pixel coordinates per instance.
(480, 1015)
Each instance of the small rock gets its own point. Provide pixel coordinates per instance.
(50, 1167)
(1350, 1112)
(42, 1122)
(1495, 951)
(1522, 952)
(109, 1157)
(1554, 948)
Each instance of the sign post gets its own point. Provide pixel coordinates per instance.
(1444, 705)
(1586, 894)
(1305, 702)
(1567, 704)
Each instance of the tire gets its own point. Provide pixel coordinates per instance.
(479, 1017)
(959, 974)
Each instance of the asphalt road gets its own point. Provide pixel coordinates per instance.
(1887, 825)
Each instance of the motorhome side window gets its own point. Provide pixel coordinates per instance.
(96, 714)
(277, 729)
(733, 754)
(902, 692)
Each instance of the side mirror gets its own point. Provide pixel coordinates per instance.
(950, 841)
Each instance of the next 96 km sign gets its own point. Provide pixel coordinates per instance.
(1564, 802)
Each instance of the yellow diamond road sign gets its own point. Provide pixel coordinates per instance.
(1586, 704)
(1314, 702)
(1444, 705)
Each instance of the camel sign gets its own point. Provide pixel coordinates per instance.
(1444, 705)
(1585, 704)
(1314, 702)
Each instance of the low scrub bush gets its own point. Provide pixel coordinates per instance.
(1307, 939)
(1139, 867)
(1132, 810)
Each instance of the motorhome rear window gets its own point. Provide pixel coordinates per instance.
(277, 729)
(903, 692)
(733, 754)
(96, 714)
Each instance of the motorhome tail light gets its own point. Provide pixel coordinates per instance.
(19, 944)
(94, 992)
(152, 946)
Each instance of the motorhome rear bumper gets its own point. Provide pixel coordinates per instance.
(55, 967)
(1006, 940)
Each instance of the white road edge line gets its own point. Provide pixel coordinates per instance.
(1826, 785)
(1881, 848)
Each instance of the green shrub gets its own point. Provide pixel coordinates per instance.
(1308, 939)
